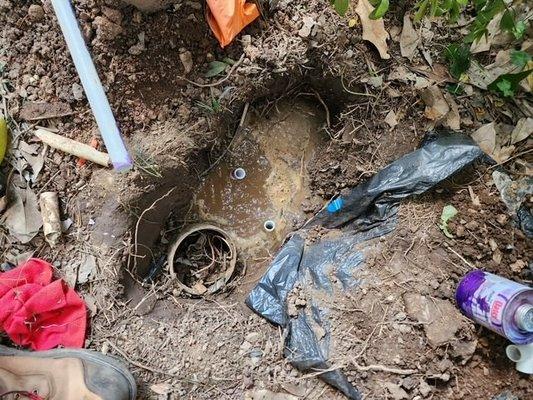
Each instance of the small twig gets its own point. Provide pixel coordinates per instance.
(458, 255)
(148, 368)
(383, 368)
(328, 121)
(512, 158)
(205, 85)
(320, 372)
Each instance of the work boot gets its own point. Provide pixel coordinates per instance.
(63, 374)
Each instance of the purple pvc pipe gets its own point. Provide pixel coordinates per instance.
(492, 301)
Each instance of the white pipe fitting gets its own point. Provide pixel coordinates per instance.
(269, 225)
(522, 355)
(238, 174)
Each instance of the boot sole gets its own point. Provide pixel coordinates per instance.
(87, 355)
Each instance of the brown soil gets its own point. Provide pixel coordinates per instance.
(179, 125)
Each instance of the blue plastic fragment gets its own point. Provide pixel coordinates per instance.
(335, 205)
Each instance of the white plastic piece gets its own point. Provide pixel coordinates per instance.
(238, 174)
(522, 355)
(91, 84)
(269, 225)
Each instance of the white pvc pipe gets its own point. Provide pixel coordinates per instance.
(91, 84)
(522, 355)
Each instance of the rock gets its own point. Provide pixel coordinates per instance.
(253, 337)
(440, 318)
(106, 30)
(308, 24)
(77, 91)
(139, 47)
(502, 219)
(35, 13)
(507, 395)
(113, 14)
(5, 5)
(472, 225)
(464, 350)
(409, 383)
(396, 391)
(424, 388)
(186, 60)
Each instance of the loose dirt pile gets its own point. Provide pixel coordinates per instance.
(179, 124)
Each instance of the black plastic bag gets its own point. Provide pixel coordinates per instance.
(362, 213)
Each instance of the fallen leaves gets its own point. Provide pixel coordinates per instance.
(38, 111)
(373, 30)
(494, 140)
(391, 119)
(441, 108)
(22, 218)
(436, 105)
(409, 38)
(448, 212)
(485, 137)
(522, 130)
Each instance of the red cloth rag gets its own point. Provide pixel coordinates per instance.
(36, 312)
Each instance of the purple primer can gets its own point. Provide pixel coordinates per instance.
(501, 305)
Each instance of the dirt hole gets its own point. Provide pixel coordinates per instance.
(272, 150)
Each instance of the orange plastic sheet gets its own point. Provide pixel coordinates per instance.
(228, 17)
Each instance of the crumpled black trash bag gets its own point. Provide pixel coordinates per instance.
(363, 213)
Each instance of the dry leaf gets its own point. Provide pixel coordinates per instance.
(522, 130)
(482, 76)
(452, 119)
(23, 218)
(87, 269)
(483, 44)
(29, 154)
(161, 388)
(37, 111)
(409, 38)
(474, 197)
(391, 119)
(373, 30)
(436, 105)
(485, 137)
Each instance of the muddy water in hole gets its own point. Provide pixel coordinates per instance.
(274, 151)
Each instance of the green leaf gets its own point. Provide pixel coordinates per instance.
(215, 68)
(519, 30)
(479, 4)
(228, 60)
(507, 22)
(455, 88)
(380, 10)
(504, 86)
(507, 84)
(421, 10)
(458, 55)
(341, 6)
(520, 58)
(448, 212)
(479, 27)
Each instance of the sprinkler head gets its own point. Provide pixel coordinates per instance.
(238, 174)
(269, 225)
